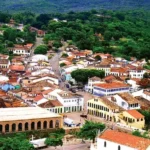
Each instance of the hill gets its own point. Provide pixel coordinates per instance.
(46, 6)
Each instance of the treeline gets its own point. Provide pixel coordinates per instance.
(124, 33)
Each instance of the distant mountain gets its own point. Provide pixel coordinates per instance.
(46, 6)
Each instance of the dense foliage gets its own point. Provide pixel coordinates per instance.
(54, 139)
(82, 75)
(146, 114)
(139, 134)
(46, 6)
(42, 49)
(115, 32)
(90, 130)
(19, 142)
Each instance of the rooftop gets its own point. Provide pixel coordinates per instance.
(126, 139)
(128, 98)
(135, 114)
(112, 85)
(51, 103)
(25, 113)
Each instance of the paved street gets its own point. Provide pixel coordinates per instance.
(71, 147)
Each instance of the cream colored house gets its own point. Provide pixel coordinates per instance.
(103, 108)
(133, 118)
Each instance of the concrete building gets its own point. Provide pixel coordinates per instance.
(28, 119)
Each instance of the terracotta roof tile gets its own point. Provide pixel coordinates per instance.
(38, 97)
(17, 68)
(126, 139)
(111, 85)
(135, 114)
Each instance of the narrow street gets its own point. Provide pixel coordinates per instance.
(71, 147)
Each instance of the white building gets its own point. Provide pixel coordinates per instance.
(115, 140)
(106, 89)
(126, 101)
(137, 73)
(37, 58)
(20, 50)
(71, 102)
(91, 82)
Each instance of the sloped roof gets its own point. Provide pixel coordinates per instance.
(126, 139)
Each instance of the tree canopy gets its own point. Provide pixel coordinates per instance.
(54, 139)
(90, 130)
(19, 142)
(42, 49)
(82, 75)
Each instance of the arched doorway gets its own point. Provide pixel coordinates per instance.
(32, 126)
(57, 124)
(39, 125)
(13, 127)
(26, 126)
(51, 124)
(20, 127)
(1, 128)
(7, 128)
(45, 125)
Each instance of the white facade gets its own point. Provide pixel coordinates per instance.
(37, 58)
(124, 104)
(108, 145)
(98, 91)
(146, 96)
(74, 103)
(137, 73)
(21, 52)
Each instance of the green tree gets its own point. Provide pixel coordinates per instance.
(90, 130)
(139, 134)
(42, 49)
(54, 139)
(62, 64)
(82, 75)
(19, 142)
(64, 55)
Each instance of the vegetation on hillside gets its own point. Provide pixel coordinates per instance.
(125, 33)
(47, 6)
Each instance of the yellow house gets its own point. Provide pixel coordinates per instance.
(103, 108)
(133, 118)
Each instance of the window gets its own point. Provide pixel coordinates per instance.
(105, 144)
(119, 148)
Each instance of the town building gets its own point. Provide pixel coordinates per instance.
(107, 89)
(133, 118)
(137, 72)
(126, 101)
(103, 108)
(115, 140)
(71, 102)
(28, 119)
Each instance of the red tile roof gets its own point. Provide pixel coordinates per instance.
(17, 68)
(135, 114)
(126, 139)
(47, 91)
(38, 97)
(111, 85)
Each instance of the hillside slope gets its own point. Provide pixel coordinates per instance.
(46, 6)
